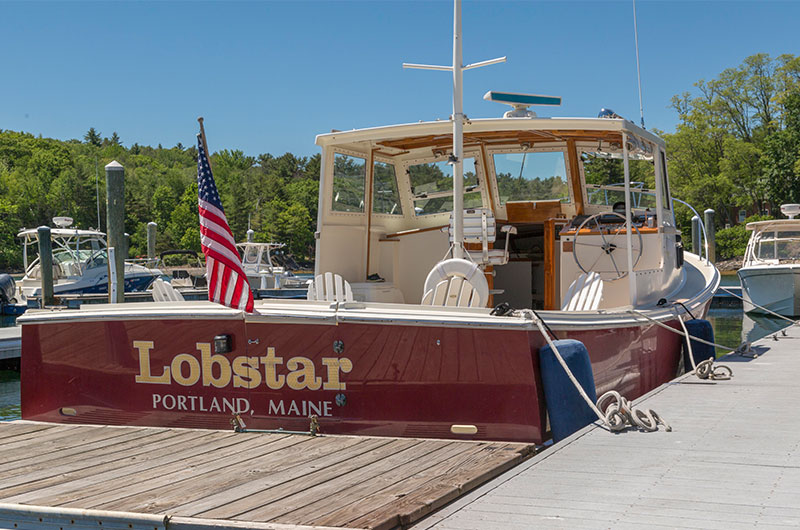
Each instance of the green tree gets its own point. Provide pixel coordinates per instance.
(93, 137)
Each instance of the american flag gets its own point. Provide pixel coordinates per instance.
(227, 282)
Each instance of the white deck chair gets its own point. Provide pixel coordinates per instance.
(330, 287)
(480, 227)
(456, 283)
(164, 292)
(584, 294)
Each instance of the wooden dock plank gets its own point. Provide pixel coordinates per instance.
(424, 492)
(353, 484)
(272, 487)
(59, 477)
(732, 461)
(113, 481)
(64, 452)
(203, 475)
(203, 479)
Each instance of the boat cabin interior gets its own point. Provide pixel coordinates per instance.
(545, 211)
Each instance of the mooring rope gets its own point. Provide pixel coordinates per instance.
(705, 369)
(620, 413)
(759, 307)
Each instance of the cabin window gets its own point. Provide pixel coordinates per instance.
(432, 186)
(605, 180)
(782, 245)
(385, 198)
(531, 176)
(349, 176)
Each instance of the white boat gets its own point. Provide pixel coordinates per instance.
(80, 263)
(267, 267)
(397, 337)
(770, 273)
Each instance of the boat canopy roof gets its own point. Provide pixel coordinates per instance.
(774, 224)
(408, 139)
(32, 234)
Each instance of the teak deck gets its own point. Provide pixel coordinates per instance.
(340, 481)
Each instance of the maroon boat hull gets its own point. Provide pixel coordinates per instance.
(368, 379)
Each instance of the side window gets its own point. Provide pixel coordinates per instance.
(385, 198)
(349, 176)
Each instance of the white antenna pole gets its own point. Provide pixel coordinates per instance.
(458, 136)
(458, 125)
(638, 71)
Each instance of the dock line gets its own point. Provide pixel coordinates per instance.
(793, 321)
(706, 369)
(620, 413)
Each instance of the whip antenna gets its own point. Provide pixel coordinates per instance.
(638, 71)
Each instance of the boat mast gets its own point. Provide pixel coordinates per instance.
(458, 125)
(458, 136)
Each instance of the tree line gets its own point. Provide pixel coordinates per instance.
(736, 148)
(41, 178)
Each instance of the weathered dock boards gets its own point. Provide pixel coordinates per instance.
(10, 342)
(732, 461)
(339, 481)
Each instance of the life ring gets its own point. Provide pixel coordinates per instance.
(458, 267)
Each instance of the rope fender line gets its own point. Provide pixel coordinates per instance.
(759, 307)
(620, 413)
(705, 369)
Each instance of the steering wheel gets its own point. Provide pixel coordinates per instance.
(605, 264)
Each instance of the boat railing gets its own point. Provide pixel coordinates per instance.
(636, 201)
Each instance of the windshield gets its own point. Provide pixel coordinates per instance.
(531, 176)
(780, 245)
(432, 186)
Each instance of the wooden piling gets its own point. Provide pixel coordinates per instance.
(115, 223)
(46, 265)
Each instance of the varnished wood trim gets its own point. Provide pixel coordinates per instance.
(532, 211)
(575, 176)
(413, 231)
(550, 264)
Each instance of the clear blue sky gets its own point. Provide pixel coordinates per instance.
(269, 76)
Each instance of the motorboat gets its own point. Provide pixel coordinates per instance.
(80, 263)
(268, 267)
(443, 250)
(770, 273)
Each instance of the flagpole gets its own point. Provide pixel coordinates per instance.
(203, 138)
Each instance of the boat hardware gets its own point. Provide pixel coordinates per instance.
(223, 344)
(313, 429)
(338, 346)
(253, 341)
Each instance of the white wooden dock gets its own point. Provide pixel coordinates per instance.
(732, 461)
(10, 342)
(83, 476)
